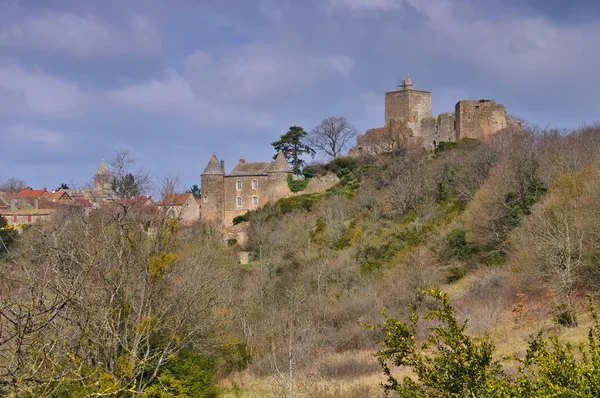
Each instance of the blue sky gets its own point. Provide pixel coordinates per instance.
(173, 81)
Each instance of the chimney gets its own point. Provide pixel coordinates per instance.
(242, 161)
(14, 205)
(223, 165)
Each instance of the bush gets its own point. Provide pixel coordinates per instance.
(455, 273)
(241, 219)
(565, 315)
(451, 363)
(189, 375)
(457, 243)
(297, 185)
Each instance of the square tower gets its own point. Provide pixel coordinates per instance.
(408, 105)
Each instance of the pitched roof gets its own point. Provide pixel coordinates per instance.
(250, 169)
(102, 169)
(175, 199)
(31, 192)
(280, 165)
(214, 166)
(53, 196)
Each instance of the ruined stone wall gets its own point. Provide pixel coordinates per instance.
(437, 129)
(479, 119)
(321, 183)
(212, 198)
(382, 139)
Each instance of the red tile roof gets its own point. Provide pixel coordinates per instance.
(31, 192)
(175, 199)
(54, 196)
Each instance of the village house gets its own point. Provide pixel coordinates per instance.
(183, 206)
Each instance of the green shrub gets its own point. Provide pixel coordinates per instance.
(457, 243)
(240, 219)
(189, 375)
(565, 315)
(450, 363)
(455, 273)
(297, 185)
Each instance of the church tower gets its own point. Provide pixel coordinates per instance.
(102, 178)
(212, 183)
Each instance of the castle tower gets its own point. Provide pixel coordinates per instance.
(102, 179)
(407, 105)
(212, 191)
(278, 174)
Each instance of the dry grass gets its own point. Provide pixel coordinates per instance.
(353, 374)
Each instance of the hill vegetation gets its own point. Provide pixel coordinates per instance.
(120, 302)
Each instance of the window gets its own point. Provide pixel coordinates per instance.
(254, 184)
(238, 201)
(238, 185)
(255, 201)
(205, 199)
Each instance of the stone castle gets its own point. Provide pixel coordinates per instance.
(408, 118)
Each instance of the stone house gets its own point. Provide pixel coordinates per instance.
(408, 118)
(180, 205)
(248, 186)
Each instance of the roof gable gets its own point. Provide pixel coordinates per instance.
(251, 169)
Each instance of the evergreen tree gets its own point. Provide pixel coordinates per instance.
(293, 147)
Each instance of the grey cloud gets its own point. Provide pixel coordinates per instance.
(36, 92)
(82, 36)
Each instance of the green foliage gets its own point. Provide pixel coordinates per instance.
(565, 315)
(241, 219)
(337, 164)
(188, 375)
(457, 243)
(62, 186)
(450, 363)
(297, 185)
(455, 273)
(126, 187)
(518, 204)
(465, 143)
(293, 147)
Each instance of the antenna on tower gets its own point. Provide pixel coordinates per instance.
(399, 83)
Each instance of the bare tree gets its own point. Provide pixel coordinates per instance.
(332, 135)
(13, 185)
(99, 302)
(126, 182)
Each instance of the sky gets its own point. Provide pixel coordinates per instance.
(174, 81)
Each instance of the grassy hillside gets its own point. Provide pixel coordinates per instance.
(125, 301)
(507, 228)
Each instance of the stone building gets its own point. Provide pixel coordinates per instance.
(248, 186)
(182, 206)
(408, 118)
